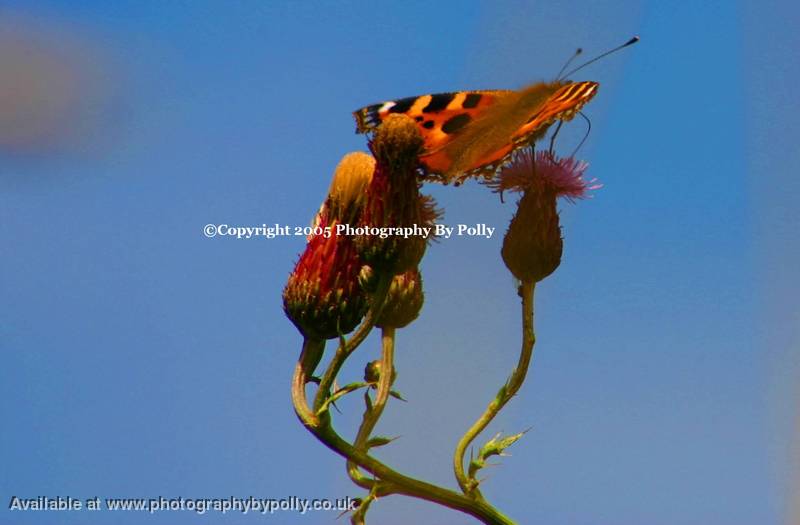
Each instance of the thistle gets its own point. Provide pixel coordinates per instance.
(346, 196)
(393, 199)
(323, 297)
(533, 246)
(404, 301)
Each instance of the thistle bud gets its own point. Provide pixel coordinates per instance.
(346, 195)
(393, 200)
(372, 372)
(397, 144)
(323, 297)
(403, 302)
(533, 245)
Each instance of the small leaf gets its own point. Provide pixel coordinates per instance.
(338, 394)
(395, 394)
(368, 401)
(358, 504)
(360, 512)
(502, 393)
(494, 447)
(379, 441)
(497, 446)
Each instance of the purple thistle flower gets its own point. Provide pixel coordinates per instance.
(562, 177)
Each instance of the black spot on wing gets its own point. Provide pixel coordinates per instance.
(456, 123)
(438, 102)
(428, 124)
(403, 105)
(471, 100)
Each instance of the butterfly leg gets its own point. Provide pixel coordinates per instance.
(588, 130)
(553, 137)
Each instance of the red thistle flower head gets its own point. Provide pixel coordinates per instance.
(323, 297)
(393, 200)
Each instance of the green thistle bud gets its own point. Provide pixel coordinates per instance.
(372, 372)
(404, 301)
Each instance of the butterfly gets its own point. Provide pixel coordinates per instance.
(474, 133)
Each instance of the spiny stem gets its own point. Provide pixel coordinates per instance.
(506, 392)
(309, 358)
(394, 482)
(344, 350)
(374, 410)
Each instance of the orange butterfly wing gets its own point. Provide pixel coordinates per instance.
(438, 116)
(472, 133)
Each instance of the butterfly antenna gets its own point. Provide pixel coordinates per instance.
(589, 129)
(595, 59)
(568, 62)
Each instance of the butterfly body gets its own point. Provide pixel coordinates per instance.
(472, 133)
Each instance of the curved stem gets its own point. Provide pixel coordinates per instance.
(309, 358)
(396, 483)
(374, 410)
(344, 350)
(506, 392)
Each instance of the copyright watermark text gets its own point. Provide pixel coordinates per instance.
(271, 231)
(250, 504)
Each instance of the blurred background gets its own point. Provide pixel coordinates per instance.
(142, 359)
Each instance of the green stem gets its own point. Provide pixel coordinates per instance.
(309, 359)
(344, 350)
(396, 483)
(374, 410)
(506, 392)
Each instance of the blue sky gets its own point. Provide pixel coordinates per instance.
(142, 359)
